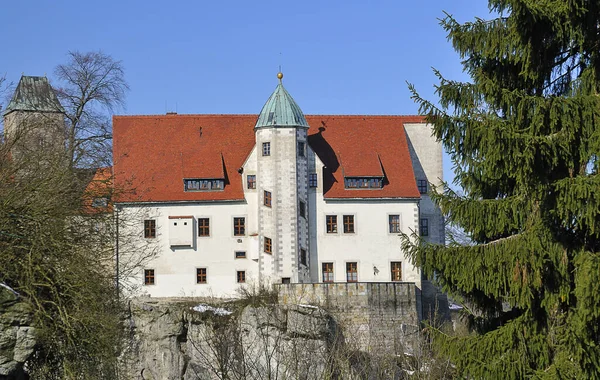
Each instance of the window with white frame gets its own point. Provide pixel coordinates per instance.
(266, 149)
(394, 223)
(327, 270)
(200, 275)
(352, 272)
(348, 221)
(331, 224)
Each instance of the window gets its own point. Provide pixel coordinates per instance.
(251, 180)
(422, 186)
(200, 275)
(396, 271)
(241, 276)
(149, 228)
(394, 223)
(327, 272)
(266, 149)
(331, 221)
(352, 272)
(240, 254)
(363, 183)
(267, 199)
(148, 276)
(424, 227)
(286, 280)
(239, 226)
(312, 179)
(348, 224)
(303, 260)
(268, 245)
(301, 149)
(197, 184)
(100, 202)
(302, 209)
(203, 227)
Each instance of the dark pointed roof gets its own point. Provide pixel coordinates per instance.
(34, 94)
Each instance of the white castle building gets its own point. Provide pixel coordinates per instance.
(281, 197)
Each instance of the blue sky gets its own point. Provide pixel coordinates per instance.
(338, 57)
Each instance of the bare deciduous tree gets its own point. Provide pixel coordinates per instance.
(90, 87)
(57, 232)
(5, 92)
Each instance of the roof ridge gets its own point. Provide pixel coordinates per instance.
(255, 114)
(367, 115)
(188, 115)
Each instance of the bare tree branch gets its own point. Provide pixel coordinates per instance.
(91, 86)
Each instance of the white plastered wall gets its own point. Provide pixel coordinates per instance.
(175, 267)
(426, 156)
(371, 246)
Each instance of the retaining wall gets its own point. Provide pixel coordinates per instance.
(373, 316)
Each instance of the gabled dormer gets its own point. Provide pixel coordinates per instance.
(362, 172)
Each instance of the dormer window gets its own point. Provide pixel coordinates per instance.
(100, 202)
(363, 182)
(202, 184)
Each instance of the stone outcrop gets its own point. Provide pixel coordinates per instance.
(310, 331)
(169, 340)
(315, 331)
(17, 336)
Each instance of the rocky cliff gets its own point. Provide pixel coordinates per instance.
(17, 337)
(350, 336)
(181, 340)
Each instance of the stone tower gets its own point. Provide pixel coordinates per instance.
(34, 119)
(280, 132)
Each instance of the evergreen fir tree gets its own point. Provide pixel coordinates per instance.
(524, 135)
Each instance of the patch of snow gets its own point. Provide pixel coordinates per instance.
(454, 306)
(9, 288)
(308, 306)
(215, 310)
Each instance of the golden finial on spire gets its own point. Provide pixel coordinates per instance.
(280, 76)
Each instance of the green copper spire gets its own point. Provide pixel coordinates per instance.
(34, 94)
(281, 110)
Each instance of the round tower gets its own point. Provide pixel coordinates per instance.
(281, 132)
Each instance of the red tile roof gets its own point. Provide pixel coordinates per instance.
(362, 146)
(99, 187)
(153, 154)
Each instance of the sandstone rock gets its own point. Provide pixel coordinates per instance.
(168, 340)
(17, 337)
(308, 322)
